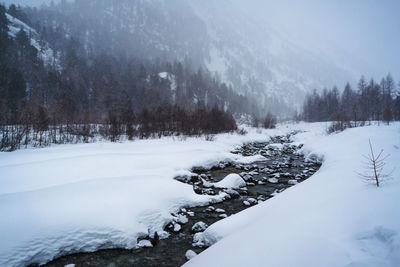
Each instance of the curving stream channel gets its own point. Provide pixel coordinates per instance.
(282, 168)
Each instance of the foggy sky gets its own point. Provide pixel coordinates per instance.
(365, 33)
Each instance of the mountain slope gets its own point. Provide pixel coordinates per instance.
(255, 59)
(259, 59)
(45, 53)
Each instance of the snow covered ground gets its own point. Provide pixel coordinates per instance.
(84, 197)
(332, 219)
(70, 198)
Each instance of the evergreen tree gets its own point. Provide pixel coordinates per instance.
(4, 39)
(16, 93)
(387, 115)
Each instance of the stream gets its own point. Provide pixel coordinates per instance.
(282, 168)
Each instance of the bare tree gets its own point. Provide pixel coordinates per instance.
(374, 167)
(269, 121)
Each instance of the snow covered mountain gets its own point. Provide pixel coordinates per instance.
(256, 60)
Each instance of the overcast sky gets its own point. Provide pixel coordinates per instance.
(365, 29)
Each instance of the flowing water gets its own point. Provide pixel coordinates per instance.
(282, 168)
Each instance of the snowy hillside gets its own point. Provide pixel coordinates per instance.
(45, 53)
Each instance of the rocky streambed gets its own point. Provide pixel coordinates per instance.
(282, 167)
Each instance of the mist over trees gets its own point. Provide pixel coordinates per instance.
(87, 91)
(369, 101)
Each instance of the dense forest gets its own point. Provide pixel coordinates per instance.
(370, 101)
(54, 89)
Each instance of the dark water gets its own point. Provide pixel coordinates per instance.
(171, 251)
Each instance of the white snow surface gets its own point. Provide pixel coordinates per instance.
(331, 219)
(84, 197)
(231, 181)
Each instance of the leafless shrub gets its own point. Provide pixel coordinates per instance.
(241, 131)
(374, 167)
(210, 137)
(269, 121)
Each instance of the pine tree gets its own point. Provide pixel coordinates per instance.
(387, 115)
(12, 10)
(4, 39)
(16, 92)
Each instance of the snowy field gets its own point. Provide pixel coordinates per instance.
(332, 219)
(71, 198)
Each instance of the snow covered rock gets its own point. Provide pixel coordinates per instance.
(207, 184)
(275, 147)
(190, 254)
(182, 219)
(220, 210)
(246, 203)
(247, 178)
(223, 216)
(293, 182)
(231, 181)
(144, 244)
(210, 209)
(160, 235)
(273, 180)
(252, 201)
(177, 227)
(232, 193)
(199, 227)
(261, 197)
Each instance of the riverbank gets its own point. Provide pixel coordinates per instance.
(81, 198)
(332, 219)
(244, 185)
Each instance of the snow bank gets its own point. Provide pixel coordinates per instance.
(70, 198)
(231, 181)
(332, 219)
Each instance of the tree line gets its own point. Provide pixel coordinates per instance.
(370, 101)
(149, 123)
